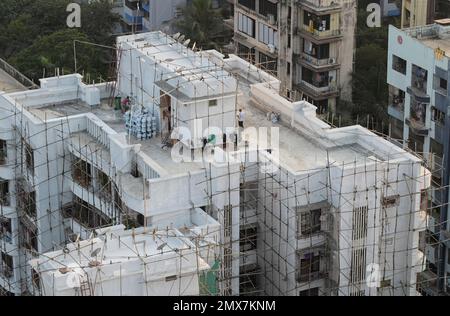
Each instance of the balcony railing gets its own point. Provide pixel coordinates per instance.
(315, 91)
(317, 6)
(324, 62)
(318, 34)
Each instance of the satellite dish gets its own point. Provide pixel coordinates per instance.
(175, 36)
(95, 252)
(160, 247)
(181, 38)
(186, 42)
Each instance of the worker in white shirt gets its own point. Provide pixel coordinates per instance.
(241, 118)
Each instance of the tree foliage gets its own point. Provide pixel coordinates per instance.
(201, 23)
(370, 89)
(34, 36)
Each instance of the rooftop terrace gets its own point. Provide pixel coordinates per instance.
(434, 35)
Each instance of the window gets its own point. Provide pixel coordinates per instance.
(29, 157)
(448, 282)
(315, 22)
(4, 192)
(448, 255)
(317, 79)
(6, 267)
(310, 292)
(399, 64)
(317, 51)
(103, 183)
(29, 237)
(267, 8)
(248, 4)
(3, 151)
(422, 241)
(246, 25)
(440, 85)
(396, 128)
(415, 143)
(5, 228)
(310, 221)
(288, 68)
(81, 172)
(227, 220)
(436, 162)
(309, 267)
(419, 77)
(437, 116)
(88, 215)
(27, 202)
(396, 98)
(359, 222)
(267, 35)
(248, 196)
(418, 112)
(248, 238)
(212, 103)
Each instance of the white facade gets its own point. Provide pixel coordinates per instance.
(368, 190)
(141, 262)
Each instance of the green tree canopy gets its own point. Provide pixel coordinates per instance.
(34, 36)
(201, 23)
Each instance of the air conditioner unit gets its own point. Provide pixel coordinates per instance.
(271, 19)
(271, 48)
(332, 60)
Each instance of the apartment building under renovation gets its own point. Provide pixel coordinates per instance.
(315, 60)
(419, 88)
(96, 201)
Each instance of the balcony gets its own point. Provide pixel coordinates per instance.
(418, 94)
(322, 64)
(131, 15)
(318, 35)
(317, 92)
(320, 6)
(417, 118)
(418, 88)
(396, 106)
